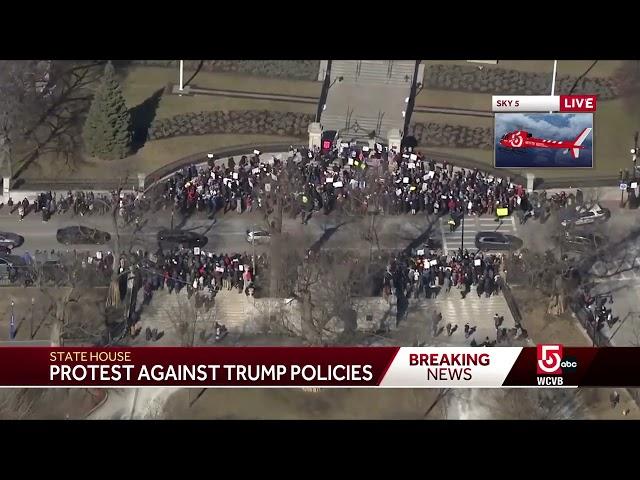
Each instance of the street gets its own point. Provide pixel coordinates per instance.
(226, 233)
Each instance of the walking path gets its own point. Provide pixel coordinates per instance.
(193, 90)
(453, 111)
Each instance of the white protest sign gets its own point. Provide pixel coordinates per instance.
(433, 263)
(337, 184)
(420, 252)
(426, 177)
(196, 250)
(477, 262)
(350, 161)
(219, 269)
(413, 157)
(98, 255)
(405, 180)
(255, 170)
(274, 177)
(241, 268)
(328, 180)
(431, 174)
(235, 175)
(634, 185)
(267, 187)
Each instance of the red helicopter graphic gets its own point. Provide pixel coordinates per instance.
(522, 139)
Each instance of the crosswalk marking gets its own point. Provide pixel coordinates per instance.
(472, 225)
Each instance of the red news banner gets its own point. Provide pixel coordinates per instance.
(328, 367)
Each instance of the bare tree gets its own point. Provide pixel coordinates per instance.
(193, 320)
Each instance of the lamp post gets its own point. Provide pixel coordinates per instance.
(12, 323)
(181, 75)
(621, 189)
(634, 154)
(462, 239)
(33, 302)
(553, 79)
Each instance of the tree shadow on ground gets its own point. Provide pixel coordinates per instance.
(141, 118)
(328, 233)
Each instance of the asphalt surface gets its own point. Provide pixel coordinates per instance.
(225, 233)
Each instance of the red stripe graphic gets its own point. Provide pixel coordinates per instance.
(212, 366)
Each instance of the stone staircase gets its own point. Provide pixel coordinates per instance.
(389, 72)
(162, 313)
(235, 310)
(365, 124)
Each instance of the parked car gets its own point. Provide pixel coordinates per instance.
(80, 235)
(258, 236)
(583, 243)
(497, 241)
(585, 216)
(10, 240)
(174, 238)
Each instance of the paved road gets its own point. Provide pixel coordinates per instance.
(225, 233)
(472, 225)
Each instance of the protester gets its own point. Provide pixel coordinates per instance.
(347, 178)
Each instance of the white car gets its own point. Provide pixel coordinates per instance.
(258, 236)
(586, 216)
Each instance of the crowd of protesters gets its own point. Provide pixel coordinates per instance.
(195, 270)
(429, 272)
(348, 177)
(80, 203)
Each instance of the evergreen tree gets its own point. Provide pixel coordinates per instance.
(107, 129)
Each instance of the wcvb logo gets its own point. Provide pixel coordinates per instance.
(549, 359)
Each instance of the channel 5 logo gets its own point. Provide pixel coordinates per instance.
(551, 360)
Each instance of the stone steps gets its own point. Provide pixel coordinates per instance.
(365, 124)
(374, 71)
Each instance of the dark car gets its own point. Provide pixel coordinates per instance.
(584, 243)
(10, 240)
(584, 216)
(82, 235)
(497, 241)
(173, 238)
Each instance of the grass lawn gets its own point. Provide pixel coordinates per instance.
(140, 83)
(482, 101)
(151, 157)
(603, 68)
(466, 120)
(171, 105)
(614, 128)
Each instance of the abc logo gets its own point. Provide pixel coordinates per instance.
(569, 364)
(549, 359)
